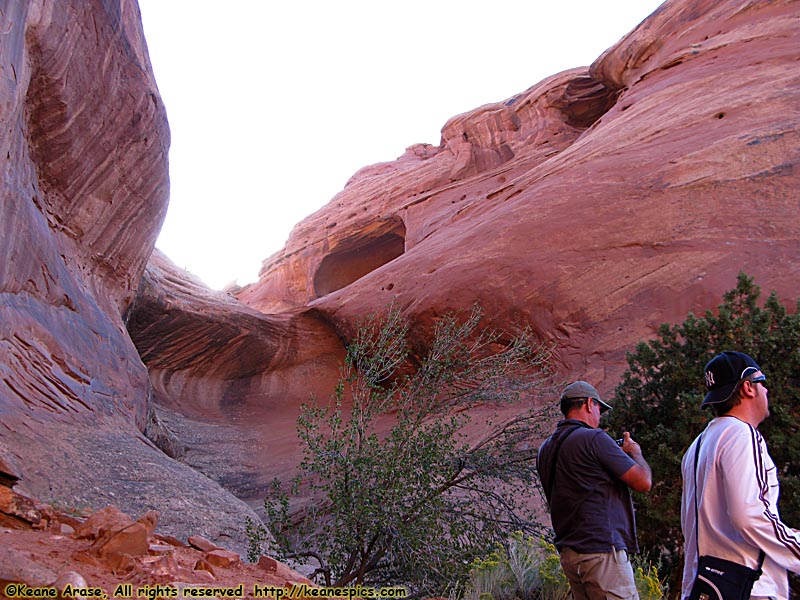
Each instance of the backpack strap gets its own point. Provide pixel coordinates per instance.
(562, 438)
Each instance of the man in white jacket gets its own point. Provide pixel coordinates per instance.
(736, 483)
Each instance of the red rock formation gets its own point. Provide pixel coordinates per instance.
(228, 377)
(84, 192)
(198, 343)
(84, 140)
(50, 549)
(594, 206)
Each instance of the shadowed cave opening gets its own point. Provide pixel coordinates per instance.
(360, 256)
(585, 100)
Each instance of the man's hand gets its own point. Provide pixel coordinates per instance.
(639, 477)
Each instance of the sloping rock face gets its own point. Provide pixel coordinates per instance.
(594, 206)
(84, 140)
(227, 379)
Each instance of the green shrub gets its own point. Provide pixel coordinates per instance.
(257, 538)
(553, 583)
(522, 558)
(529, 568)
(526, 568)
(402, 495)
(488, 577)
(648, 583)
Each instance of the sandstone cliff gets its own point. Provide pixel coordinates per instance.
(593, 206)
(85, 188)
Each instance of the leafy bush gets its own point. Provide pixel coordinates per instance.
(648, 583)
(400, 493)
(529, 568)
(526, 568)
(488, 577)
(257, 538)
(659, 402)
(522, 560)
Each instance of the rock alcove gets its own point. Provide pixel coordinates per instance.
(359, 255)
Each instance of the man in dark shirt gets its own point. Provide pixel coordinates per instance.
(587, 480)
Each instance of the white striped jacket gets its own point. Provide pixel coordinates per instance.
(738, 507)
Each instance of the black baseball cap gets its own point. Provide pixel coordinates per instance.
(723, 372)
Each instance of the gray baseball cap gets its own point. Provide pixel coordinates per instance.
(581, 389)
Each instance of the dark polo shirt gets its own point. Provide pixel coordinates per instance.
(590, 507)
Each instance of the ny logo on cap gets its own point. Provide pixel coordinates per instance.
(709, 379)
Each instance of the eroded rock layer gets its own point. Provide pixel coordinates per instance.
(227, 379)
(594, 206)
(84, 140)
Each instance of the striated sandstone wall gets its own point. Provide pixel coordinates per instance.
(84, 141)
(228, 379)
(593, 206)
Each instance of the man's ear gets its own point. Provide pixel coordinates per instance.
(749, 389)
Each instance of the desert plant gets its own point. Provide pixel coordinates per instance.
(257, 538)
(489, 577)
(529, 568)
(523, 560)
(525, 568)
(648, 583)
(402, 493)
(553, 584)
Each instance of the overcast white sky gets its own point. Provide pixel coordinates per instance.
(274, 105)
